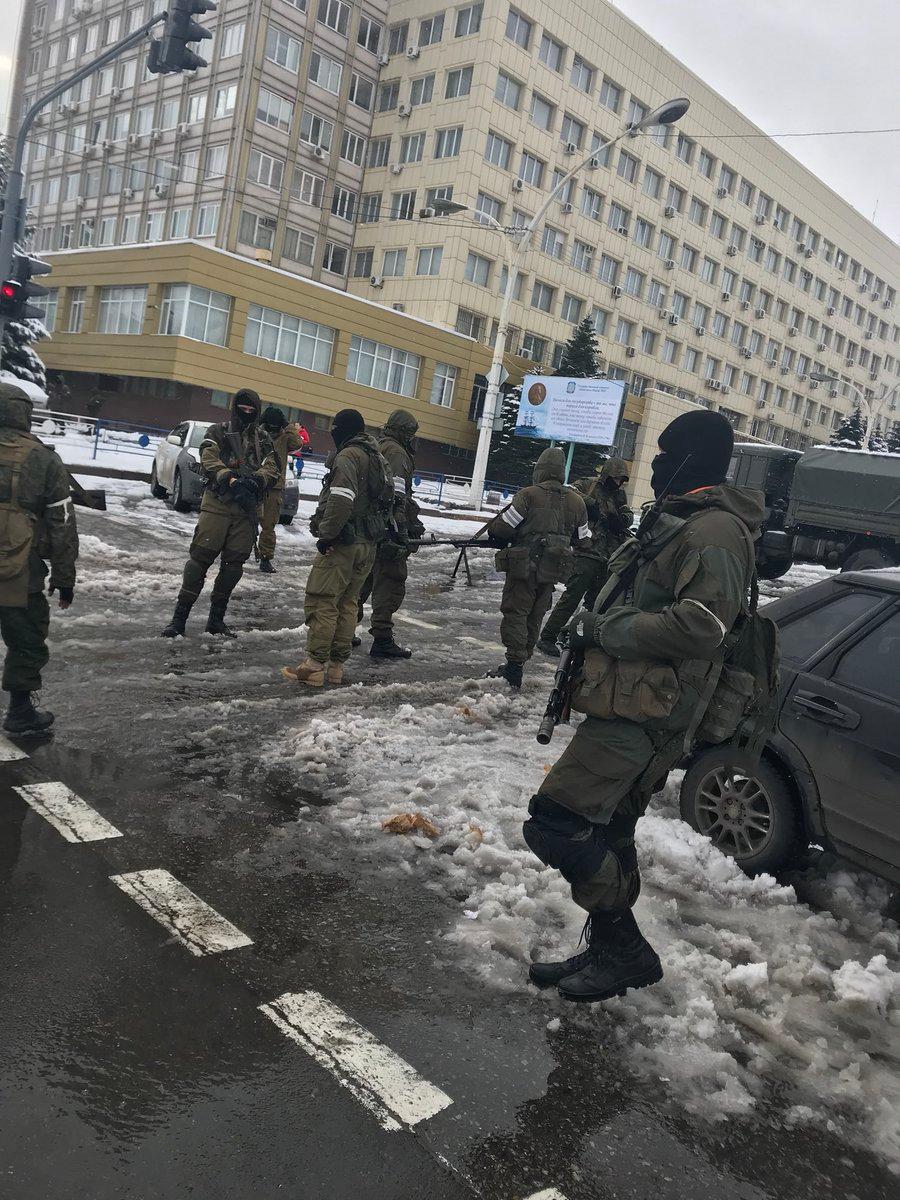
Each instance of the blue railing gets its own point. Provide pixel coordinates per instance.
(126, 437)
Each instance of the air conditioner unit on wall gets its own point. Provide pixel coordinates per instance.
(674, 318)
(377, 281)
(700, 331)
(759, 219)
(722, 192)
(630, 352)
(570, 147)
(396, 168)
(760, 314)
(412, 51)
(518, 185)
(731, 251)
(617, 291)
(669, 211)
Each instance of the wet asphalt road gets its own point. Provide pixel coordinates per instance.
(133, 1069)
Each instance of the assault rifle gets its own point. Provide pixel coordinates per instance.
(87, 497)
(246, 493)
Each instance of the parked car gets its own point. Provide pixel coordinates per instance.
(176, 473)
(829, 771)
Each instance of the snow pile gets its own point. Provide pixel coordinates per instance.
(35, 393)
(759, 988)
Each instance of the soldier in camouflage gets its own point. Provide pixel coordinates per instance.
(610, 519)
(537, 531)
(286, 439)
(386, 583)
(647, 663)
(37, 527)
(350, 520)
(239, 464)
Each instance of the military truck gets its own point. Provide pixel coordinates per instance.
(827, 505)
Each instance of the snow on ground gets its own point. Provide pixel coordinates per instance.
(776, 993)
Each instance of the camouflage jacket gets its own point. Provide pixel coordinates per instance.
(347, 510)
(548, 506)
(608, 513)
(226, 451)
(402, 465)
(44, 492)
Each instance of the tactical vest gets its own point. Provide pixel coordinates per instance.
(17, 529)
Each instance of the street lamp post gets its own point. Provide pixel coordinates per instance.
(871, 410)
(517, 240)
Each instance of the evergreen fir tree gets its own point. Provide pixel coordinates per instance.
(850, 431)
(19, 359)
(582, 360)
(893, 441)
(877, 440)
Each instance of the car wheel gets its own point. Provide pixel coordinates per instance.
(286, 519)
(750, 815)
(870, 559)
(178, 501)
(157, 492)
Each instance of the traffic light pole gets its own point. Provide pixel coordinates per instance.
(12, 230)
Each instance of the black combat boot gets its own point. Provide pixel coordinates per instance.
(386, 647)
(511, 672)
(23, 717)
(549, 974)
(547, 646)
(265, 565)
(216, 622)
(175, 627)
(620, 958)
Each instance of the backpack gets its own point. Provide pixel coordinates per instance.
(380, 488)
(740, 701)
(16, 530)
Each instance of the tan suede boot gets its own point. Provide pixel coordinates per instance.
(335, 673)
(310, 673)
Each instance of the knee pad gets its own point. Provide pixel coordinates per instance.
(560, 838)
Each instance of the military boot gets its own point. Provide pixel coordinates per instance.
(265, 565)
(309, 672)
(549, 974)
(24, 718)
(386, 647)
(334, 673)
(511, 672)
(620, 958)
(216, 620)
(175, 627)
(548, 646)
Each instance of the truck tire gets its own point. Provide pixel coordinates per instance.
(772, 568)
(872, 558)
(752, 816)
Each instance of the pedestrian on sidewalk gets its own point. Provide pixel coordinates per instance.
(37, 527)
(351, 518)
(286, 439)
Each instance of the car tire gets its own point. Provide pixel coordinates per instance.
(757, 823)
(178, 501)
(157, 492)
(286, 519)
(872, 558)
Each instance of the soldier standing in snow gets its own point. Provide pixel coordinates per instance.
(286, 439)
(648, 660)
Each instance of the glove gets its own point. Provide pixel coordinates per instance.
(323, 546)
(417, 530)
(584, 629)
(496, 543)
(66, 594)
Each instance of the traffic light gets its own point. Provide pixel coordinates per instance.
(170, 53)
(16, 292)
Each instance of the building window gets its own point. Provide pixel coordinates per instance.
(363, 261)
(335, 14)
(394, 263)
(592, 204)
(468, 20)
(619, 219)
(508, 91)
(609, 270)
(307, 187)
(326, 72)
(375, 365)
(388, 95)
(256, 230)
(487, 206)
(403, 206)
(274, 110)
(421, 90)
(498, 151)
(675, 198)
(207, 220)
(379, 152)
(531, 169)
(582, 75)
(429, 260)
(443, 385)
(706, 164)
(551, 53)
(361, 91)
(543, 296)
(610, 94)
(232, 40)
(553, 242)
(263, 169)
(343, 203)
(283, 49)
(299, 246)
(431, 30)
(368, 35)
(459, 83)
(282, 338)
(334, 258)
(653, 182)
(684, 149)
(542, 111)
(582, 256)
(179, 222)
(634, 282)
(628, 166)
(478, 269)
(624, 332)
(122, 310)
(316, 130)
(353, 148)
(518, 29)
(448, 142)
(195, 312)
(412, 147)
(688, 258)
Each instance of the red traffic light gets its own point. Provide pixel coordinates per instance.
(9, 291)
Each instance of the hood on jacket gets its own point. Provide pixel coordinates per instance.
(550, 466)
(614, 468)
(15, 407)
(746, 504)
(273, 419)
(244, 396)
(401, 425)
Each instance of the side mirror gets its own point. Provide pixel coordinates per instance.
(173, 439)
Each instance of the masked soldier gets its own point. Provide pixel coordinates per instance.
(286, 438)
(37, 526)
(386, 583)
(648, 660)
(239, 464)
(610, 519)
(537, 531)
(350, 520)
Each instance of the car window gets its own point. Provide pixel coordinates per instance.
(179, 431)
(872, 664)
(802, 637)
(198, 433)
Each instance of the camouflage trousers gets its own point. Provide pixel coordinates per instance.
(268, 522)
(24, 630)
(223, 531)
(332, 598)
(582, 589)
(523, 605)
(386, 584)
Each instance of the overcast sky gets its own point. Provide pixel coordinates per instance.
(790, 65)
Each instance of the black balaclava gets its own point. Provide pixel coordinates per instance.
(246, 398)
(273, 419)
(695, 450)
(347, 424)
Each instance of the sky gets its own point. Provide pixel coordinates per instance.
(792, 66)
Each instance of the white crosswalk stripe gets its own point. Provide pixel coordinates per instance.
(9, 752)
(188, 918)
(67, 813)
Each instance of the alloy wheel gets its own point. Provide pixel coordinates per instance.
(735, 812)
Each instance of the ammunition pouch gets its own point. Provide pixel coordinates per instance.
(554, 558)
(515, 562)
(634, 689)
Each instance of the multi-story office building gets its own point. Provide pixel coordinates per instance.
(711, 263)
